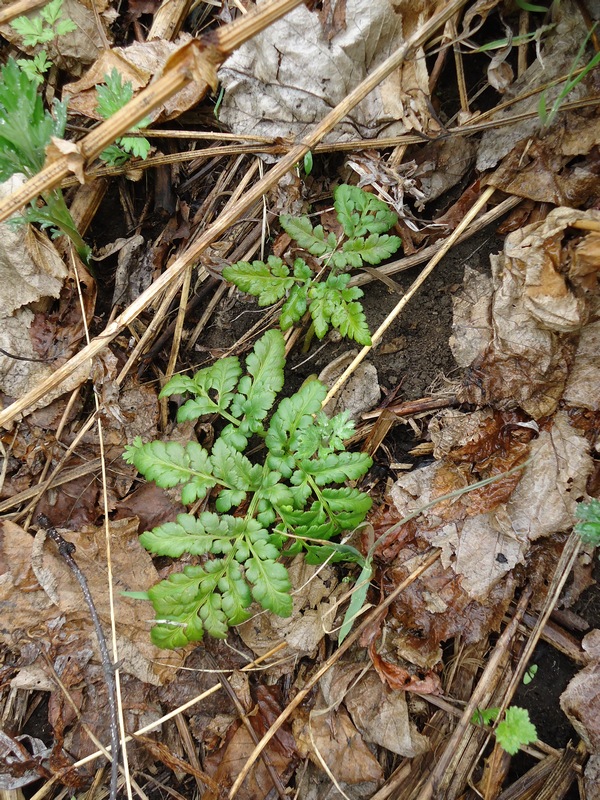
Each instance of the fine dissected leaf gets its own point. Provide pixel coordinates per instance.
(257, 391)
(33, 31)
(516, 729)
(137, 146)
(360, 212)
(170, 463)
(484, 716)
(268, 281)
(220, 379)
(113, 94)
(312, 239)
(331, 303)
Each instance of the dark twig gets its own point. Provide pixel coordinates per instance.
(66, 549)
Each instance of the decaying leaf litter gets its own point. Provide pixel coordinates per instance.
(460, 593)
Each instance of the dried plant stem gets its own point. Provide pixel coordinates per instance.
(378, 335)
(225, 220)
(17, 9)
(66, 550)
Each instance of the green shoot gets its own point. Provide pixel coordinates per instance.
(515, 730)
(294, 500)
(589, 525)
(35, 68)
(308, 163)
(111, 98)
(525, 6)
(548, 117)
(330, 302)
(530, 674)
(42, 28)
(26, 128)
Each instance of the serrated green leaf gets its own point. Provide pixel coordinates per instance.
(484, 716)
(360, 212)
(232, 467)
(257, 391)
(269, 282)
(349, 319)
(169, 464)
(348, 506)
(293, 415)
(372, 250)
(190, 534)
(179, 384)
(270, 585)
(589, 525)
(516, 729)
(312, 239)
(335, 468)
(137, 146)
(294, 307)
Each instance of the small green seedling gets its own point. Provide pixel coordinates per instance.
(546, 116)
(588, 526)
(112, 96)
(290, 501)
(530, 674)
(330, 302)
(26, 129)
(42, 28)
(514, 731)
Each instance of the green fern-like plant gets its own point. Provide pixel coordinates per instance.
(365, 221)
(289, 502)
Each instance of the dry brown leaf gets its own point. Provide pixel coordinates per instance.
(313, 616)
(361, 392)
(333, 735)
(66, 624)
(290, 76)
(484, 534)
(137, 64)
(381, 715)
(281, 751)
(516, 333)
(581, 699)
(30, 266)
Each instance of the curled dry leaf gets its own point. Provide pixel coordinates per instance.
(581, 699)
(484, 534)
(57, 607)
(137, 64)
(332, 736)
(379, 713)
(518, 331)
(289, 76)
